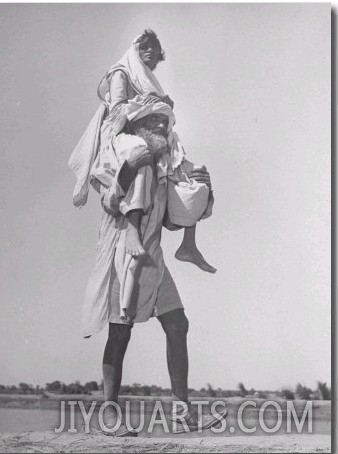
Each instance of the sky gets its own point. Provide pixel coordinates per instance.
(251, 85)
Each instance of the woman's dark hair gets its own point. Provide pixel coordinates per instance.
(150, 35)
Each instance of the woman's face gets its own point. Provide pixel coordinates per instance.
(150, 52)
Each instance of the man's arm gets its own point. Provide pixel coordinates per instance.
(201, 175)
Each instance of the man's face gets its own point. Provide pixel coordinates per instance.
(155, 123)
(153, 129)
(150, 52)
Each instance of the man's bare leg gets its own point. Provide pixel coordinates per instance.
(188, 251)
(118, 339)
(133, 239)
(175, 324)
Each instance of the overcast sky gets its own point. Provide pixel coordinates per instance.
(251, 85)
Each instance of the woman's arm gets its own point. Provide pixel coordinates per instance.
(118, 89)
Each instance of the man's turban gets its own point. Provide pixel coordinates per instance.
(140, 107)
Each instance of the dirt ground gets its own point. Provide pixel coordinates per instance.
(26, 426)
(37, 442)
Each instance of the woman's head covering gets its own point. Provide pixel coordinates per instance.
(140, 76)
(144, 82)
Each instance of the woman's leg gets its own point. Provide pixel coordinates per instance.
(188, 251)
(133, 237)
(135, 203)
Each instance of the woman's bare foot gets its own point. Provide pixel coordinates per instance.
(193, 255)
(133, 242)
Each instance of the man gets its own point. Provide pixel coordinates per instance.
(151, 291)
(126, 288)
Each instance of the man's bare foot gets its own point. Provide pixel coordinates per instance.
(114, 427)
(195, 422)
(194, 256)
(110, 418)
(133, 243)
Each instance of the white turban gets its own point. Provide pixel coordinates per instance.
(138, 108)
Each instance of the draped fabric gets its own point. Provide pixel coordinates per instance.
(143, 82)
(84, 155)
(141, 78)
(94, 159)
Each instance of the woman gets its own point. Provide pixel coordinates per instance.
(130, 77)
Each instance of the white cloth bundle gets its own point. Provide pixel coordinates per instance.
(187, 201)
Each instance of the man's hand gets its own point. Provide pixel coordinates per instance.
(201, 175)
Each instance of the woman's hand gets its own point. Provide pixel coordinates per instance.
(201, 175)
(153, 97)
(168, 100)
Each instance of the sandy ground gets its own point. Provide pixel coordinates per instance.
(37, 442)
(26, 425)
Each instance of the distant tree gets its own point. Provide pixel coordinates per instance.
(323, 391)
(145, 390)
(91, 386)
(153, 390)
(287, 393)
(211, 391)
(243, 391)
(55, 387)
(24, 388)
(126, 389)
(136, 389)
(302, 392)
(75, 388)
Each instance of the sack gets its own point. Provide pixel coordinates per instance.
(187, 201)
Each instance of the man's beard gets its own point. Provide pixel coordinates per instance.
(156, 142)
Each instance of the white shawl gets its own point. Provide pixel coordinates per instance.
(143, 81)
(140, 76)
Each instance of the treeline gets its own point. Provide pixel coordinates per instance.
(322, 392)
(300, 392)
(56, 387)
